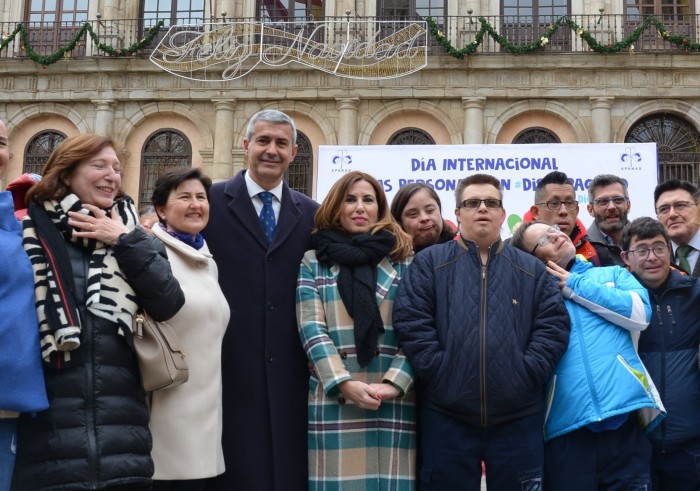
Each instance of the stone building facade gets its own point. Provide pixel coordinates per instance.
(492, 96)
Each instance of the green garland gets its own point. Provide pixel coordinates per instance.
(682, 42)
(46, 60)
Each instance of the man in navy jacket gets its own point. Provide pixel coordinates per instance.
(483, 326)
(669, 349)
(264, 369)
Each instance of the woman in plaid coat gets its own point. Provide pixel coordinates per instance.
(362, 431)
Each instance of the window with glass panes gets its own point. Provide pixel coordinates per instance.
(173, 12)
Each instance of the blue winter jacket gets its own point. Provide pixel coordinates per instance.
(21, 375)
(669, 349)
(482, 340)
(601, 375)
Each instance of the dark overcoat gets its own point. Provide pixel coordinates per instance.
(264, 368)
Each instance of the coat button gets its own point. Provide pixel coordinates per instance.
(377, 352)
(343, 355)
(341, 400)
(270, 306)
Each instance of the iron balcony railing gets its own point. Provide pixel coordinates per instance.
(47, 38)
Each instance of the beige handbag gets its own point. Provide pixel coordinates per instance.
(160, 356)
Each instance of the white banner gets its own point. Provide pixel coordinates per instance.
(519, 167)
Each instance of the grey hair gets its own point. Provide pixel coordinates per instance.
(271, 116)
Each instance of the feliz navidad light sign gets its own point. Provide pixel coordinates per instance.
(358, 49)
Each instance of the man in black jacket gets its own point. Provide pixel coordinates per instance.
(669, 350)
(483, 326)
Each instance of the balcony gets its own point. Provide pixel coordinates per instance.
(45, 39)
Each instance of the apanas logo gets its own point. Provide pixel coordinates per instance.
(343, 158)
(631, 159)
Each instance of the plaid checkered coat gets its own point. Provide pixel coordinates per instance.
(352, 448)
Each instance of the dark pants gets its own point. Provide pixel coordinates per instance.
(614, 460)
(452, 451)
(188, 485)
(677, 469)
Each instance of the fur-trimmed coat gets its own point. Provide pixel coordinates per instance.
(348, 446)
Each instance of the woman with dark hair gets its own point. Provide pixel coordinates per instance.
(417, 208)
(362, 433)
(186, 420)
(93, 269)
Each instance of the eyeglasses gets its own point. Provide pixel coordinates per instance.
(660, 251)
(551, 232)
(555, 204)
(604, 202)
(679, 206)
(474, 203)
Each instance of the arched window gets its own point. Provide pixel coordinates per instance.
(298, 174)
(676, 145)
(411, 136)
(37, 151)
(163, 150)
(536, 135)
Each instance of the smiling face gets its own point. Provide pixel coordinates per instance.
(269, 152)
(4, 149)
(680, 225)
(563, 218)
(651, 270)
(187, 208)
(96, 180)
(481, 224)
(360, 208)
(421, 218)
(549, 244)
(609, 217)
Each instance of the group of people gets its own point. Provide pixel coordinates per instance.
(351, 345)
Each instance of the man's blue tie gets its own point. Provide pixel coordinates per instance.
(267, 215)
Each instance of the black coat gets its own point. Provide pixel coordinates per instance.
(95, 433)
(264, 369)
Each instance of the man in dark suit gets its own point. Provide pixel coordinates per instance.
(677, 211)
(265, 374)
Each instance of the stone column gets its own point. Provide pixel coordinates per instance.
(601, 125)
(473, 119)
(222, 165)
(104, 116)
(347, 121)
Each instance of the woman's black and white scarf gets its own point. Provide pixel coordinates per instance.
(109, 295)
(357, 256)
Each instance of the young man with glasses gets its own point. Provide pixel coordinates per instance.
(594, 439)
(483, 327)
(669, 349)
(556, 204)
(609, 205)
(676, 209)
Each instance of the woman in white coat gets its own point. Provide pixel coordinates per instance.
(186, 420)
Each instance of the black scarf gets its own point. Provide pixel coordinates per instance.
(357, 256)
